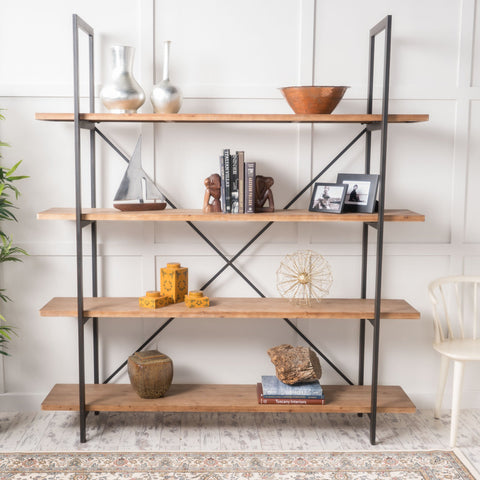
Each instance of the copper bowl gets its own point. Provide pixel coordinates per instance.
(313, 99)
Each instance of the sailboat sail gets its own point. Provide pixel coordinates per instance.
(136, 184)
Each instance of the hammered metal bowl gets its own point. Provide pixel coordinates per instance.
(313, 99)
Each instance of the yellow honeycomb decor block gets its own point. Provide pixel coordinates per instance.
(195, 299)
(154, 300)
(174, 282)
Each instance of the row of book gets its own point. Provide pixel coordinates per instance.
(272, 391)
(237, 183)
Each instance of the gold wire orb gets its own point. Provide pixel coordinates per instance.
(304, 276)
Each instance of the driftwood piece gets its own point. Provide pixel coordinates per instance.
(295, 364)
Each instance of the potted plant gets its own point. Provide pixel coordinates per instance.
(8, 251)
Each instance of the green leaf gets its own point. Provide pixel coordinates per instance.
(4, 298)
(20, 177)
(13, 168)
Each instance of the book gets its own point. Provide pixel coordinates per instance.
(241, 176)
(226, 166)
(222, 184)
(286, 401)
(234, 183)
(249, 195)
(274, 388)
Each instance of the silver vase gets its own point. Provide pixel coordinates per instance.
(165, 97)
(123, 94)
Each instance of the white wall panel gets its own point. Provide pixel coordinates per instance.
(41, 62)
(44, 351)
(420, 31)
(233, 44)
(421, 168)
(472, 226)
(475, 70)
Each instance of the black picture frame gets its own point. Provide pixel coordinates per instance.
(327, 198)
(361, 194)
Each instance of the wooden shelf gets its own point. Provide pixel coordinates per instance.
(169, 215)
(327, 308)
(221, 398)
(231, 118)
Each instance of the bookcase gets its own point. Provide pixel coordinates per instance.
(103, 395)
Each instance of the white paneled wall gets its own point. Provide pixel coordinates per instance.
(231, 57)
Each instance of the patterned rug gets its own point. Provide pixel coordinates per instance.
(431, 465)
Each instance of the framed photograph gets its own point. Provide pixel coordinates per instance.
(361, 193)
(328, 198)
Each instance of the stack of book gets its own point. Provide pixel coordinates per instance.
(273, 391)
(238, 183)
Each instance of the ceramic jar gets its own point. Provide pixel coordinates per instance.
(174, 282)
(196, 299)
(153, 300)
(150, 373)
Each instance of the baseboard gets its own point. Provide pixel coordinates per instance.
(426, 401)
(21, 402)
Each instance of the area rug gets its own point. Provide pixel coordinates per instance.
(431, 465)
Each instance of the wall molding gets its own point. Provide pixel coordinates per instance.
(265, 249)
(251, 92)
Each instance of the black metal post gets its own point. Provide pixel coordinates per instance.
(93, 204)
(368, 153)
(386, 26)
(79, 24)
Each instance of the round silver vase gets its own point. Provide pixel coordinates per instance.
(165, 97)
(122, 94)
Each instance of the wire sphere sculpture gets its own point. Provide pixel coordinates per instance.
(304, 276)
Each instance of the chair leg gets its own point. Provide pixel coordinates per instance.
(458, 368)
(444, 363)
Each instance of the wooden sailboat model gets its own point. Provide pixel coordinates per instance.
(137, 191)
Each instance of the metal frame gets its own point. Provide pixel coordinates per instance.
(81, 25)
(383, 26)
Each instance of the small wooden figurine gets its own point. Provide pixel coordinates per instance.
(213, 191)
(263, 193)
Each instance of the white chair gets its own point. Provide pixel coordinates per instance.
(457, 331)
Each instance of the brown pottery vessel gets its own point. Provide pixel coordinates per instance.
(150, 373)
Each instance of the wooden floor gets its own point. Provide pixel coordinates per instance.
(160, 431)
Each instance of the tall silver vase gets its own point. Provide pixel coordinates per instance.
(122, 94)
(165, 97)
